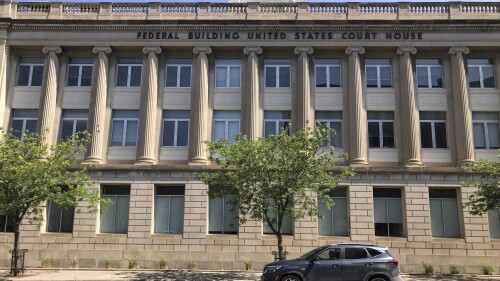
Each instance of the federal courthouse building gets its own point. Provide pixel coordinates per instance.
(412, 89)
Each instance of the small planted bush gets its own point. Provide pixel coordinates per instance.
(163, 263)
(428, 268)
(248, 263)
(454, 268)
(46, 263)
(191, 264)
(132, 263)
(107, 264)
(487, 269)
(75, 263)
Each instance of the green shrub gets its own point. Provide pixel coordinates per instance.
(74, 263)
(163, 263)
(428, 268)
(107, 264)
(46, 263)
(454, 268)
(487, 269)
(191, 264)
(132, 263)
(248, 263)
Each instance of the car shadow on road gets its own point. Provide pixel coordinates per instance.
(449, 277)
(181, 275)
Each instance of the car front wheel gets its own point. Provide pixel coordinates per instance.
(291, 278)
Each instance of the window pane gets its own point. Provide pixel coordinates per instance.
(380, 210)
(30, 126)
(185, 79)
(117, 133)
(385, 77)
(219, 130)
(269, 128)
(162, 214)
(394, 210)
(176, 214)
(436, 77)
(121, 221)
(53, 217)
(451, 224)
(131, 137)
(67, 129)
(233, 130)
(388, 133)
(284, 77)
(171, 76)
(436, 218)
(325, 224)
(371, 77)
(440, 135)
(182, 133)
(287, 228)
(334, 76)
(321, 76)
(23, 75)
(336, 140)
(36, 77)
(73, 72)
(426, 134)
(121, 75)
(230, 218)
(135, 76)
(220, 77)
(81, 125)
(479, 135)
(215, 215)
(271, 77)
(68, 214)
(340, 221)
(86, 80)
(488, 77)
(422, 78)
(108, 216)
(17, 127)
(474, 77)
(355, 253)
(373, 135)
(168, 133)
(494, 135)
(234, 77)
(494, 221)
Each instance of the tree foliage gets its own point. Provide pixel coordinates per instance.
(32, 173)
(487, 196)
(270, 178)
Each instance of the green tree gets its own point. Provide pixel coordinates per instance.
(32, 172)
(487, 196)
(269, 178)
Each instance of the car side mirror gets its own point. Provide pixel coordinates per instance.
(316, 258)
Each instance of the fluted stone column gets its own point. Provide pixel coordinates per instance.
(251, 108)
(463, 115)
(409, 111)
(303, 102)
(97, 114)
(149, 102)
(199, 108)
(4, 62)
(358, 153)
(48, 97)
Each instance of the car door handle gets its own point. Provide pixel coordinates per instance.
(369, 264)
(335, 265)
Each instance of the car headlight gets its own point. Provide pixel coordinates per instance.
(271, 269)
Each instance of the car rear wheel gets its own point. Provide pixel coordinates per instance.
(378, 278)
(291, 278)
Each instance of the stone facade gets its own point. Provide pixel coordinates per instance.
(207, 33)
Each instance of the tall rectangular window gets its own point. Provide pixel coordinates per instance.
(429, 73)
(286, 225)
(388, 210)
(481, 73)
(59, 219)
(274, 121)
(226, 125)
(433, 129)
(380, 129)
(73, 121)
(227, 73)
(6, 224)
(169, 209)
(222, 216)
(124, 131)
(444, 213)
(335, 220)
(30, 72)
(277, 73)
(178, 74)
(494, 223)
(332, 120)
(327, 73)
(128, 72)
(486, 130)
(175, 128)
(378, 73)
(80, 72)
(24, 119)
(115, 218)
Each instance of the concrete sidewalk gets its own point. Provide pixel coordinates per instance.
(181, 275)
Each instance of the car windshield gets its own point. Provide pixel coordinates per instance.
(312, 253)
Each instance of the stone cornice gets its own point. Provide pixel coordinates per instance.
(402, 50)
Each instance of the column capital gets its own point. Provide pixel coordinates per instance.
(206, 50)
(351, 50)
(248, 50)
(101, 49)
(455, 50)
(51, 49)
(147, 50)
(303, 49)
(402, 50)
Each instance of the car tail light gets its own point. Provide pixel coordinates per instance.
(395, 262)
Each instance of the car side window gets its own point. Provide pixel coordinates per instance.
(330, 254)
(355, 253)
(373, 252)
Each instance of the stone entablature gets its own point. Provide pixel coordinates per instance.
(252, 11)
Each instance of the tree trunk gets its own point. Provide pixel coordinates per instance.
(280, 246)
(16, 251)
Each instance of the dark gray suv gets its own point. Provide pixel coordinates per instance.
(337, 262)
